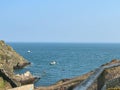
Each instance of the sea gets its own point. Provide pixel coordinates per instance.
(72, 59)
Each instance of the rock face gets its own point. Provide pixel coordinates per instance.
(66, 84)
(26, 78)
(10, 60)
(10, 57)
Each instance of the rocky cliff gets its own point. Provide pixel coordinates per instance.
(10, 60)
(10, 57)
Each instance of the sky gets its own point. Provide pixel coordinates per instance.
(79, 21)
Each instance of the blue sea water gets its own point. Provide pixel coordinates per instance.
(73, 59)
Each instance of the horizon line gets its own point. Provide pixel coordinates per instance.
(66, 42)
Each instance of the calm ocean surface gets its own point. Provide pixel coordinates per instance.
(72, 59)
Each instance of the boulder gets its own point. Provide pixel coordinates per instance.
(26, 78)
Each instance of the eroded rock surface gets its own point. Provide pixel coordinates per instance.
(10, 57)
(26, 78)
(10, 60)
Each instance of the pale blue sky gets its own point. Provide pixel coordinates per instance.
(60, 20)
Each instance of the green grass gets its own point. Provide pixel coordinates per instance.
(2, 83)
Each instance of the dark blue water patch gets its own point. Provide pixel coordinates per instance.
(72, 59)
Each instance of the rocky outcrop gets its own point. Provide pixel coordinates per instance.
(20, 66)
(10, 60)
(9, 56)
(26, 78)
(67, 84)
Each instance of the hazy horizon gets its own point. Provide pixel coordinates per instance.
(63, 21)
(66, 42)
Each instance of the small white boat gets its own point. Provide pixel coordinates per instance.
(53, 63)
(28, 51)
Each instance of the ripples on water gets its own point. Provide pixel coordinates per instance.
(72, 59)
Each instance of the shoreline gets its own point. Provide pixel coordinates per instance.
(10, 60)
(110, 74)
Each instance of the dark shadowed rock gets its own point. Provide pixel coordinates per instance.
(20, 66)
